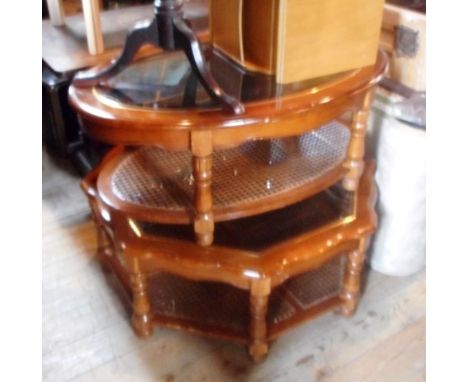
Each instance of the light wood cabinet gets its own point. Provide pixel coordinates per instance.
(297, 39)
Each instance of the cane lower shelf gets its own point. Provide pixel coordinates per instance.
(220, 310)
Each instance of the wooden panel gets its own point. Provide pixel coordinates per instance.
(298, 39)
(226, 27)
(319, 37)
(259, 34)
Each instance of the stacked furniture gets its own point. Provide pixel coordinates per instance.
(234, 222)
(237, 226)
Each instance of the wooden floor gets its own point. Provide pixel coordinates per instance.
(87, 337)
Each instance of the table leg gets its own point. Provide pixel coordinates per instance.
(354, 161)
(352, 282)
(141, 317)
(104, 251)
(93, 26)
(201, 145)
(259, 295)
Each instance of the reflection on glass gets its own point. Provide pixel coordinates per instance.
(167, 81)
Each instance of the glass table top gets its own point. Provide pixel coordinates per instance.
(166, 80)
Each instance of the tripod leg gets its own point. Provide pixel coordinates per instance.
(190, 92)
(186, 39)
(142, 33)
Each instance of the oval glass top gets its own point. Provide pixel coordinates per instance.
(166, 80)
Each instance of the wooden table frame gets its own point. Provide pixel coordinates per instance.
(134, 256)
(202, 131)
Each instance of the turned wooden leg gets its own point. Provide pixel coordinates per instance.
(141, 318)
(355, 156)
(202, 163)
(103, 243)
(104, 250)
(352, 282)
(259, 294)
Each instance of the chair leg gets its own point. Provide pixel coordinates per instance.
(259, 294)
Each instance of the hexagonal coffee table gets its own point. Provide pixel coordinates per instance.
(262, 275)
(238, 226)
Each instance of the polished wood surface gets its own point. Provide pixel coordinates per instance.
(226, 27)
(385, 337)
(258, 30)
(224, 262)
(339, 34)
(301, 111)
(320, 229)
(202, 149)
(202, 131)
(355, 158)
(135, 254)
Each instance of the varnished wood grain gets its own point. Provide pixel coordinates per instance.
(225, 263)
(340, 35)
(355, 157)
(259, 292)
(147, 254)
(384, 341)
(202, 149)
(228, 34)
(273, 117)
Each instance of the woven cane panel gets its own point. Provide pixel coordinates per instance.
(279, 309)
(257, 169)
(221, 306)
(314, 287)
(206, 303)
(210, 304)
